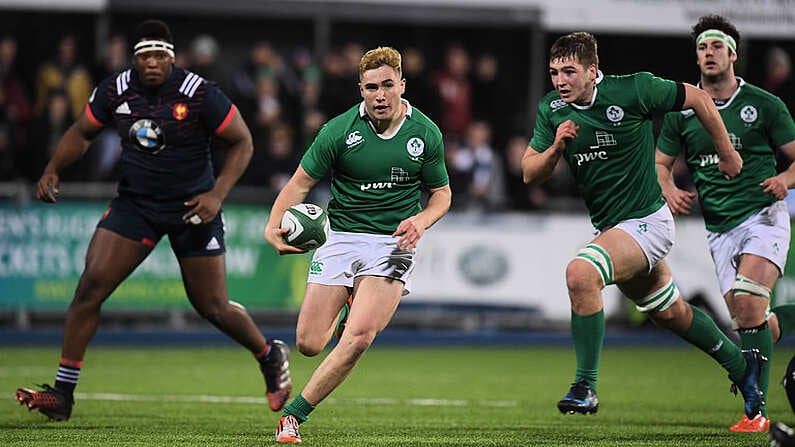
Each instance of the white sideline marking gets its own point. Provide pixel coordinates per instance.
(263, 401)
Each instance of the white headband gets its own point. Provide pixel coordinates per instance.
(717, 34)
(154, 45)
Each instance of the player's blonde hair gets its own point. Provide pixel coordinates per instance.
(378, 57)
(579, 46)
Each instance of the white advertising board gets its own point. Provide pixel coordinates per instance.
(520, 260)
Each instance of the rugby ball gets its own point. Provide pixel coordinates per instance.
(308, 225)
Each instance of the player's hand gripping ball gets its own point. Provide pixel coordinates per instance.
(308, 225)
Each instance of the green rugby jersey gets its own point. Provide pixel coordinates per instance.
(376, 181)
(757, 122)
(612, 157)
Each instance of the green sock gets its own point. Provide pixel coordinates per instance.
(786, 318)
(589, 334)
(704, 334)
(761, 339)
(299, 408)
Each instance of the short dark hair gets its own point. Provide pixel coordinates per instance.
(580, 46)
(152, 29)
(717, 22)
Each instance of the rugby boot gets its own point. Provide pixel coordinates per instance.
(287, 431)
(581, 398)
(759, 424)
(49, 401)
(276, 369)
(748, 385)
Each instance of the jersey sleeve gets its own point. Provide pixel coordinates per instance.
(782, 128)
(656, 94)
(434, 171)
(669, 142)
(98, 107)
(544, 132)
(319, 158)
(217, 110)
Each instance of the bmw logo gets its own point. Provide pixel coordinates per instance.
(147, 136)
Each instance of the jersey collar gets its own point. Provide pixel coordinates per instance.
(599, 77)
(740, 84)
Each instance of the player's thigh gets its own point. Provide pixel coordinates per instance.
(626, 255)
(320, 309)
(759, 269)
(644, 284)
(375, 299)
(110, 258)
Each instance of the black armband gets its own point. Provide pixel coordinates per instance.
(680, 97)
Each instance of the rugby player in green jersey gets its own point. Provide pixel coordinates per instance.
(747, 219)
(381, 153)
(602, 126)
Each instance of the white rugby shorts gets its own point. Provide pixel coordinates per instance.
(654, 233)
(764, 234)
(345, 256)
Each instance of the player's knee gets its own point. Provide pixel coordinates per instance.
(308, 348)
(747, 303)
(91, 290)
(591, 268)
(582, 277)
(309, 343)
(210, 310)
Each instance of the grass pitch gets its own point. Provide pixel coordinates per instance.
(454, 396)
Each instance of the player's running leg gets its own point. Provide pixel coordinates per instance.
(205, 284)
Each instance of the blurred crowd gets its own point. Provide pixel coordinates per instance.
(286, 95)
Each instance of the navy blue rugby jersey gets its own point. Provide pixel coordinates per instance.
(165, 132)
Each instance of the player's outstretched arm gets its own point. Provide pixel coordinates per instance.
(71, 147)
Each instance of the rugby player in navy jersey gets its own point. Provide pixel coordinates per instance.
(165, 116)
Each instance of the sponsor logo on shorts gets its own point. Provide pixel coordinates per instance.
(213, 244)
(316, 268)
